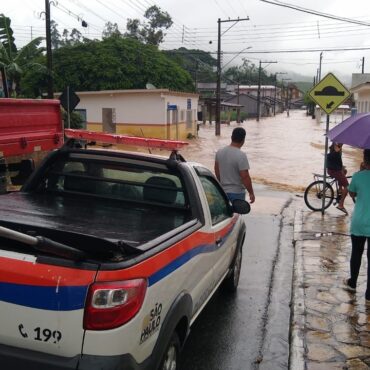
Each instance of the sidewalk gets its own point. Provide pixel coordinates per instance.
(330, 326)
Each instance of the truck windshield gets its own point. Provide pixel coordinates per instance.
(131, 180)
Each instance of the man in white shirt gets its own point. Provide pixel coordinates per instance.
(232, 168)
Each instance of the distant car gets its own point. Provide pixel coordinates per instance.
(304, 107)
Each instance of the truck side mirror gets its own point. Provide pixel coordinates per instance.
(241, 206)
(26, 167)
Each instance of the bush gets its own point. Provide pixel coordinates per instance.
(75, 120)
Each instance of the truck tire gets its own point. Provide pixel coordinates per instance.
(231, 281)
(170, 359)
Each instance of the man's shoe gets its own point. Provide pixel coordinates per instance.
(348, 287)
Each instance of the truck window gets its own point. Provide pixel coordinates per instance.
(218, 205)
(116, 180)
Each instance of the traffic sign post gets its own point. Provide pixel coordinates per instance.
(329, 94)
(69, 100)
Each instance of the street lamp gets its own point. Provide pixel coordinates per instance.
(286, 91)
(319, 72)
(218, 88)
(259, 89)
(237, 97)
(277, 73)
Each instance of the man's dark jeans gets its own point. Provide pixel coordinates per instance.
(233, 196)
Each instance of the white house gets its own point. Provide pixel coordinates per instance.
(158, 113)
(361, 91)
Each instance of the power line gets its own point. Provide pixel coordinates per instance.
(298, 50)
(314, 12)
(87, 9)
(110, 9)
(222, 10)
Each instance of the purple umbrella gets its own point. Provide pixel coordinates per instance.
(354, 131)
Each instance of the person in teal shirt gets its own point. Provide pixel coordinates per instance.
(359, 190)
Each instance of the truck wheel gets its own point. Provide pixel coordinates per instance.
(231, 281)
(170, 360)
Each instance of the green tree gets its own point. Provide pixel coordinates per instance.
(72, 38)
(133, 28)
(111, 29)
(56, 38)
(248, 74)
(152, 31)
(116, 63)
(14, 61)
(200, 64)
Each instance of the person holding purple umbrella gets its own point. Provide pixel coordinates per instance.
(336, 170)
(359, 190)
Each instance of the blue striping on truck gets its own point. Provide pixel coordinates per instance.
(65, 298)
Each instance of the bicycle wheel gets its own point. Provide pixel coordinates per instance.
(314, 193)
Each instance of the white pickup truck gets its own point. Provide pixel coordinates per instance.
(107, 258)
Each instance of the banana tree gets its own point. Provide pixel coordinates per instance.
(13, 61)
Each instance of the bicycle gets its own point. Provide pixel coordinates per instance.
(314, 192)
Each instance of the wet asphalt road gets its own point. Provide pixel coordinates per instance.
(250, 330)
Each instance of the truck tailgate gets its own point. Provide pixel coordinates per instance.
(41, 305)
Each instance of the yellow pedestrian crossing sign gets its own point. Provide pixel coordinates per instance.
(329, 93)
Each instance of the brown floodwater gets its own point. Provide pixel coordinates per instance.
(283, 151)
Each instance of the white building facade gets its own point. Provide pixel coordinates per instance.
(361, 96)
(157, 113)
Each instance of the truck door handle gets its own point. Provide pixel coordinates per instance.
(218, 241)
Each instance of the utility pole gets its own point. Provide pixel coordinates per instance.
(218, 85)
(275, 94)
(259, 93)
(277, 73)
(196, 75)
(313, 104)
(48, 51)
(286, 93)
(259, 89)
(363, 65)
(238, 101)
(319, 75)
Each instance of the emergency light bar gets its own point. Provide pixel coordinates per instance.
(124, 139)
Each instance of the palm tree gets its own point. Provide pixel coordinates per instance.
(15, 62)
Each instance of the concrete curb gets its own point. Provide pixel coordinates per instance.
(297, 343)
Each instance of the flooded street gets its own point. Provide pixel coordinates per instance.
(283, 151)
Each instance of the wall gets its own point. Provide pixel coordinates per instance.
(183, 121)
(362, 99)
(142, 113)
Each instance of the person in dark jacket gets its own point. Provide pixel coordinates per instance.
(336, 170)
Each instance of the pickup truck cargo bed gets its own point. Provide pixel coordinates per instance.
(103, 219)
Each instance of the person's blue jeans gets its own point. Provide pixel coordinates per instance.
(233, 196)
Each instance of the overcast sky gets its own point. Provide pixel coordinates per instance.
(269, 28)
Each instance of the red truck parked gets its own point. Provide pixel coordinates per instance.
(29, 129)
